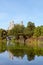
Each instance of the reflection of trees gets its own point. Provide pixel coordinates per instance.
(21, 52)
(18, 52)
(2, 46)
(30, 54)
(39, 52)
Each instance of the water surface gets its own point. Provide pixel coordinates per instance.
(10, 55)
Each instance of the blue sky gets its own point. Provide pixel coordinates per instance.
(18, 10)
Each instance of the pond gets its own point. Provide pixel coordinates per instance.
(20, 55)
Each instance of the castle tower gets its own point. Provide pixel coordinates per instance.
(21, 23)
(11, 25)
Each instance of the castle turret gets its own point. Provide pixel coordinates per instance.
(11, 25)
(21, 23)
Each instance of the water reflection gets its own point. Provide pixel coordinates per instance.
(2, 46)
(11, 56)
(18, 53)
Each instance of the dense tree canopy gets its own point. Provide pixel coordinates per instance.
(37, 31)
(28, 31)
(30, 28)
(41, 30)
(17, 30)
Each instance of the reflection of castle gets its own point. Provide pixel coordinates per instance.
(11, 55)
(21, 23)
(11, 25)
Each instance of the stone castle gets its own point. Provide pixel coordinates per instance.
(11, 25)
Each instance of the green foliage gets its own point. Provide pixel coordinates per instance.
(10, 32)
(0, 32)
(37, 31)
(31, 25)
(3, 34)
(29, 30)
(2, 45)
(41, 30)
(17, 30)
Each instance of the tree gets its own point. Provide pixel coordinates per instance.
(41, 30)
(0, 32)
(29, 30)
(37, 32)
(3, 33)
(30, 25)
(17, 30)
